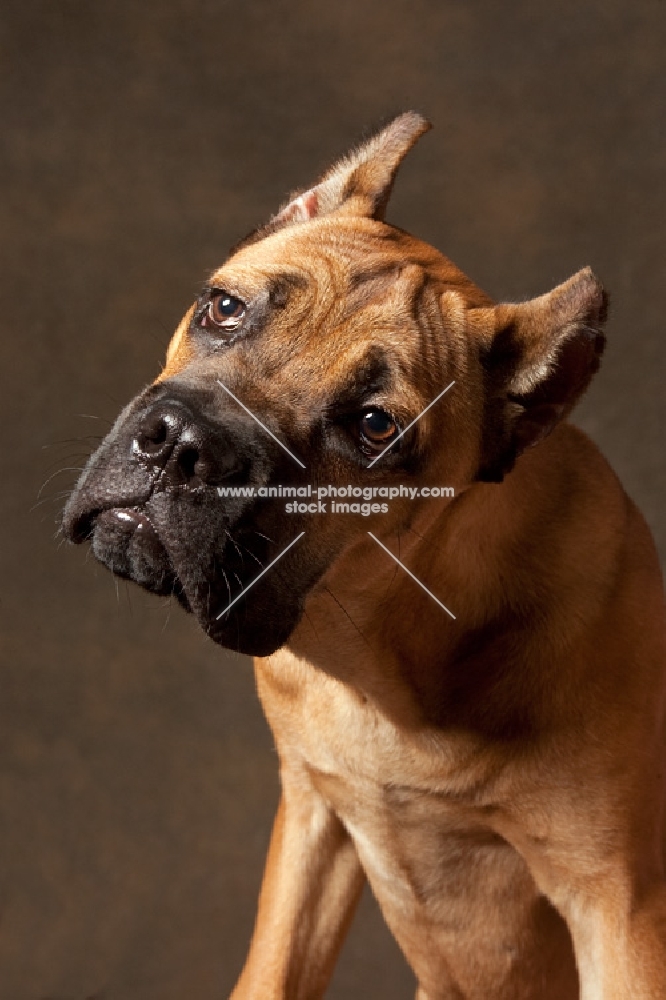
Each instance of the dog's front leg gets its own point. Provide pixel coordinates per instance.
(620, 951)
(311, 886)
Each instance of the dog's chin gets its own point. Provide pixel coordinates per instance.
(127, 542)
(250, 639)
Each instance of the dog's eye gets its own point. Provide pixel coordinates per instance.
(377, 428)
(224, 311)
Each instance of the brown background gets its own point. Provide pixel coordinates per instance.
(139, 141)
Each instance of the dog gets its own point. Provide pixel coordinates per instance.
(467, 692)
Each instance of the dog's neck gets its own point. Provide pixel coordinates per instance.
(475, 555)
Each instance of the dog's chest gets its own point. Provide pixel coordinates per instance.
(337, 729)
(411, 799)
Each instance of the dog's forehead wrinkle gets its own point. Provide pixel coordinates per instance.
(354, 243)
(254, 273)
(312, 241)
(373, 271)
(281, 285)
(367, 372)
(341, 258)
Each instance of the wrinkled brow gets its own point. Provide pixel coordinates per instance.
(280, 287)
(366, 283)
(369, 376)
(381, 272)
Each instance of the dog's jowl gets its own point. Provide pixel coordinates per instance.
(458, 621)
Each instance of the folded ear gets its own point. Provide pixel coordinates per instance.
(538, 358)
(358, 184)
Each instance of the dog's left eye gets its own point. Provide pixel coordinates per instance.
(225, 312)
(377, 428)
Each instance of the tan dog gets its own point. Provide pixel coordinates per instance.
(498, 777)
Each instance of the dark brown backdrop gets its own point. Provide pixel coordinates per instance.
(139, 141)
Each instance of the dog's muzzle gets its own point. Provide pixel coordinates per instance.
(148, 502)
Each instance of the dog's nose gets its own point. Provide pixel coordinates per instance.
(170, 439)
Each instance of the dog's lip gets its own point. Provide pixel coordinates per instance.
(131, 518)
(134, 521)
(79, 526)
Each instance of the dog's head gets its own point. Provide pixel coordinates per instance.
(318, 346)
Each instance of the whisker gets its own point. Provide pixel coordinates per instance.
(233, 542)
(70, 468)
(80, 439)
(169, 606)
(311, 624)
(93, 416)
(348, 616)
(57, 498)
(258, 561)
(226, 580)
(261, 535)
(73, 456)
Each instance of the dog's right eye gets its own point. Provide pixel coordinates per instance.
(224, 312)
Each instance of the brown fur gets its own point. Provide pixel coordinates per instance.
(498, 779)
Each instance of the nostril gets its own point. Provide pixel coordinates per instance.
(79, 528)
(187, 459)
(152, 438)
(158, 434)
(169, 439)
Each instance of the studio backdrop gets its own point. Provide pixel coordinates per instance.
(140, 141)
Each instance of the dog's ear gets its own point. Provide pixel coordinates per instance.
(360, 183)
(538, 357)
